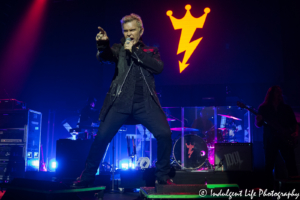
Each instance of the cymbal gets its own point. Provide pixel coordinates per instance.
(184, 129)
(231, 117)
(170, 119)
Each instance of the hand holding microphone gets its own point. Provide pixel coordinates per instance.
(128, 44)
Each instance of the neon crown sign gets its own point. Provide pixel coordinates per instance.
(188, 24)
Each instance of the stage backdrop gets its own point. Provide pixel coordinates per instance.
(241, 39)
(241, 43)
(240, 55)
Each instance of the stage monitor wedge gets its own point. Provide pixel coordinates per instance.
(233, 156)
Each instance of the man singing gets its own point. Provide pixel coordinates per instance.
(131, 97)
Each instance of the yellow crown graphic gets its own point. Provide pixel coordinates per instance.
(188, 24)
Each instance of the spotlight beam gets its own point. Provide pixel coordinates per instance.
(20, 48)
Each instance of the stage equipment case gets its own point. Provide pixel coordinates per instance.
(20, 139)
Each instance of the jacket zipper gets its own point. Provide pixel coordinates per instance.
(125, 79)
(138, 58)
(143, 74)
(146, 82)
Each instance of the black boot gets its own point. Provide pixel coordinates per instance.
(82, 183)
(169, 181)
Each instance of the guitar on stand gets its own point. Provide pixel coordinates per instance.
(283, 134)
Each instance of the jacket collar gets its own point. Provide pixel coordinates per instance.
(139, 43)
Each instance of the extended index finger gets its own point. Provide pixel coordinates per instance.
(101, 30)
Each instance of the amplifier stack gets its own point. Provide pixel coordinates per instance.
(20, 135)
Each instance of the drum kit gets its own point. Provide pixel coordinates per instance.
(198, 150)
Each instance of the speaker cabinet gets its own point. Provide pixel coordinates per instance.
(20, 139)
(70, 157)
(233, 156)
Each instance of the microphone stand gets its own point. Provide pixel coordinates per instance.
(219, 165)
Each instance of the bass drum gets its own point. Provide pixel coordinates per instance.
(195, 151)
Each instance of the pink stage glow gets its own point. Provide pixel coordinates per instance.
(21, 46)
(211, 153)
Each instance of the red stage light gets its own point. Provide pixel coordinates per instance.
(19, 51)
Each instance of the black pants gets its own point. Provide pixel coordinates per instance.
(271, 152)
(155, 121)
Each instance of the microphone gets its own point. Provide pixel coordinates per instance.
(127, 41)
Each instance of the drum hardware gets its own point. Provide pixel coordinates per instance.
(210, 136)
(83, 132)
(228, 135)
(210, 129)
(207, 165)
(184, 129)
(231, 117)
(170, 119)
(220, 164)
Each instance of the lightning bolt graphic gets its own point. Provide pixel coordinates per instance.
(188, 24)
(185, 45)
(190, 147)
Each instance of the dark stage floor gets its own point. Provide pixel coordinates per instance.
(107, 196)
(43, 182)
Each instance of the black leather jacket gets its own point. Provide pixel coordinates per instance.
(146, 58)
